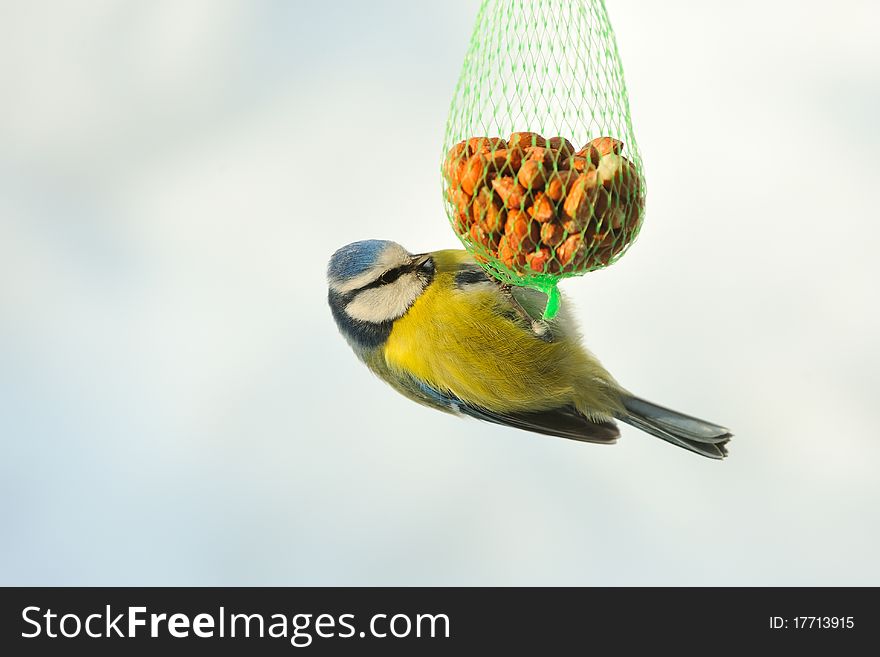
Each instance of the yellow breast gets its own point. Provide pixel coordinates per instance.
(467, 343)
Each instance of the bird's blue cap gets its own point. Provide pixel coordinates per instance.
(355, 258)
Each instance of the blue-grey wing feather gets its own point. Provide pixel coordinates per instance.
(564, 422)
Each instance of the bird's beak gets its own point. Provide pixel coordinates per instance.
(422, 262)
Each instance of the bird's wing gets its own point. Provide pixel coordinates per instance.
(564, 422)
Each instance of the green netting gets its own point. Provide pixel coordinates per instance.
(541, 173)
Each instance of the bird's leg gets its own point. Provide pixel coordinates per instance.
(539, 327)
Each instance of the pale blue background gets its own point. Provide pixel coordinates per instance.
(176, 406)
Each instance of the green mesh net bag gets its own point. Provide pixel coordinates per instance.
(542, 177)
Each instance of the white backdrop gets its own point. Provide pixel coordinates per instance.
(176, 406)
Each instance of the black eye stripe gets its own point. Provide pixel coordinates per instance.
(425, 269)
(390, 276)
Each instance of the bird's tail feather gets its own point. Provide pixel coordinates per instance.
(704, 438)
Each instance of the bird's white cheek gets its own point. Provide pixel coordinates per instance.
(387, 302)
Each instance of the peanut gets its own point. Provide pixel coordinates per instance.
(504, 161)
(485, 144)
(543, 209)
(550, 158)
(522, 234)
(509, 191)
(532, 175)
(571, 252)
(474, 174)
(538, 260)
(578, 206)
(486, 212)
(581, 164)
(460, 200)
(525, 139)
(590, 154)
(607, 145)
(552, 234)
(615, 217)
(634, 212)
(486, 238)
(505, 252)
(539, 154)
(630, 182)
(561, 145)
(609, 169)
(559, 183)
(454, 164)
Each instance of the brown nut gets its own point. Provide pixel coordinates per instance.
(600, 239)
(495, 219)
(551, 159)
(609, 169)
(604, 202)
(496, 143)
(539, 154)
(462, 214)
(505, 252)
(589, 154)
(454, 164)
(486, 238)
(605, 253)
(559, 160)
(474, 173)
(484, 144)
(607, 145)
(517, 224)
(482, 201)
(562, 146)
(460, 200)
(581, 164)
(458, 151)
(552, 234)
(559, 183)
(572, 252)
(634, 212)
(509, 191)
(522, 233)
(525, 139)
(514, 157)
(486, 211)
(538, 260)
(542, 209)
(615, 218)
(476, 234)
(504, 161)
(532, 175)
(578, 206)
(520, 257)
(630, 185)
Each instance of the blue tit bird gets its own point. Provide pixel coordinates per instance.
(441, 331)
